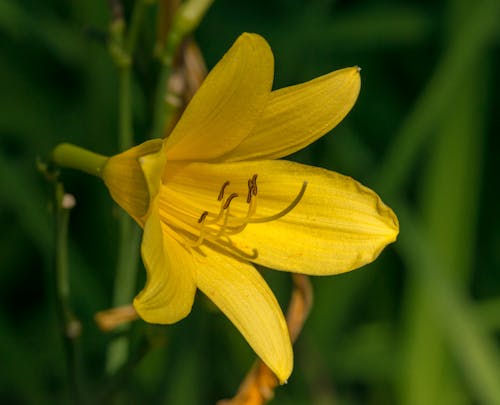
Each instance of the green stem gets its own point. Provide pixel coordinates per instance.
(70, 326)
(160, 107)
(186, 20)
(126, 134)
(75, 157)
(135, 24)
(128, 232)
(124, 286)
(125, 130)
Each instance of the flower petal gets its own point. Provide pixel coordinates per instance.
(124, 177)
(228, 103)
(170, 288)
(241, 293)
(296, 116)
(338, 224)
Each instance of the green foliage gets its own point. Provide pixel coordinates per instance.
(417, 327)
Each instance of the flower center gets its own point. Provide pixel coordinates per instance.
(218, 227)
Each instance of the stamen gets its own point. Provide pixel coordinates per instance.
(282, 213)
(250, 188)
(214, 230)
(208, 233)
(202, 217)
(221, 192)
(254, 184)
(228, 201)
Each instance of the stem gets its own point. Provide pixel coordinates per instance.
(160, 107)
(126, 133)
(70, 326)
(137, 17)
(124, 287)
(129, 233)
(75, 157)
(185, 21)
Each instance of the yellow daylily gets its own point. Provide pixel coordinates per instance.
(213, 200)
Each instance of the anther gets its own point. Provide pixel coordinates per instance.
(221, 192)
(254, 184)
(202, 217)
(228, 201)
(250, 188)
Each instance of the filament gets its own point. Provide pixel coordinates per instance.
(283, 212)
(218, 228)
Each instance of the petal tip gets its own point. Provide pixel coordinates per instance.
(391, 222)
(389, 219)
(283, 367)
(251, 36)
(284, 375)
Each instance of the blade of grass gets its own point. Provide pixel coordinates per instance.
(450, 73)
(473, 349)
(449, 198)
(376, 28)
(122, 50)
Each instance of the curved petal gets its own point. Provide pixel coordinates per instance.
(169, 292)
(297, 116)
(124, 177)
(338, 224)
(226, 107)
(241, 293)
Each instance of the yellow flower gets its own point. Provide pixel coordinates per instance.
(212, 199)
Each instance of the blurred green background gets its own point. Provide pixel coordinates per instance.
(418, 326)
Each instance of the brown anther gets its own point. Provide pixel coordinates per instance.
(202, 217)
(229, 199)
(254, 184)
(250, 188)
(221, 192)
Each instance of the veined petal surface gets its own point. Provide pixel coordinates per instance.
(241, 293)
(296, 116)
(226, 107)
(170, 288)
(338, 225)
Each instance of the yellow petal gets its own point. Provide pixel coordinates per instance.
(170, 288)
(338, 225)
(241, 293)
(125, 179)
(153, 167)
(296, 116)
(226, 107)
